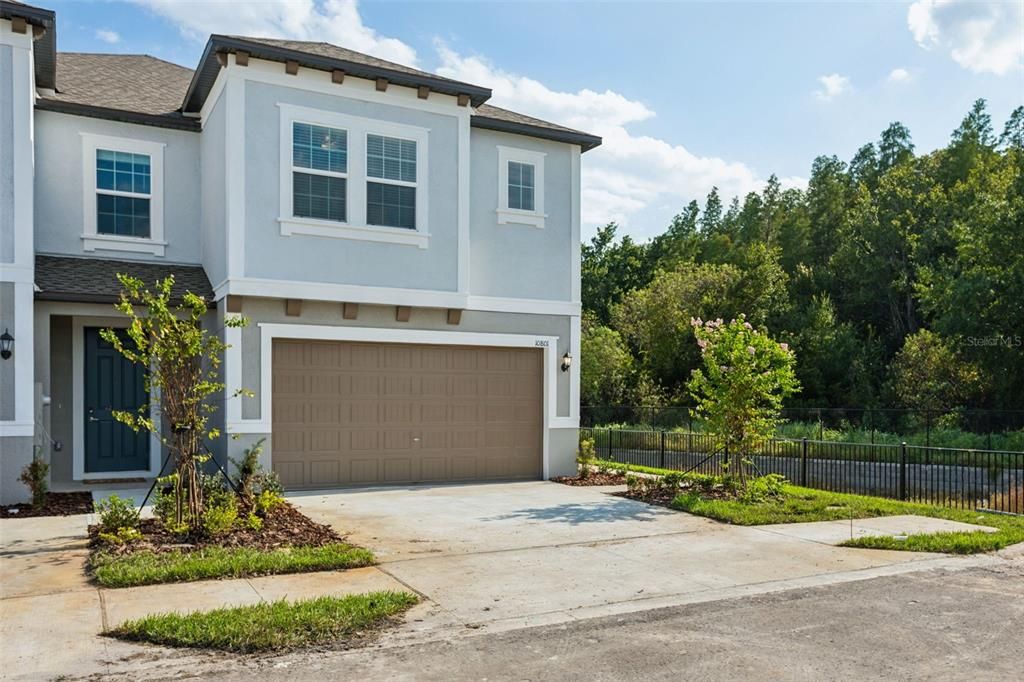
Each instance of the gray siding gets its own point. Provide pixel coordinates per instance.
(59, 186)
(212, 164)
(520, 261)
(7, 366)
(268, 254)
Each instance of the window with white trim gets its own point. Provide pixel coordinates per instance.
(350, 177)
(319, 172)
(391, 194)
(520, 187)
(123, 194)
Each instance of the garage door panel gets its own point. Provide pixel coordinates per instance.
(351, 413)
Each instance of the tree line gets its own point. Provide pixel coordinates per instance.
(896, 278)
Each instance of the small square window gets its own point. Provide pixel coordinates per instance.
(390, 158)
(319, 148)
(319, 196)
(391, 205)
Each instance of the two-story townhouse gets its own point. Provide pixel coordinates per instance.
(407, 257)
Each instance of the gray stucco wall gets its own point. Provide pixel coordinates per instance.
(383, 317)
(520, 261)
(59, 186)
(268, 254)
(61, 397)
(7, 366)
(212, 164)
(6, 155)
(16, 453)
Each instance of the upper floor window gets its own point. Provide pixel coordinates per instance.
(352, 178)
(123, 185)
(391, 201)
(520, 187)
(123, 194)
(319, 172)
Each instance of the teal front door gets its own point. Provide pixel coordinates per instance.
(111, 383)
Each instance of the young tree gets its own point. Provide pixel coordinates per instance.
(740, 388)
(929, 374)
(181, 361)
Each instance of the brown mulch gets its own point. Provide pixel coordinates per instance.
(596, 478)
(663, 497)
(285, 526)
(57, 504)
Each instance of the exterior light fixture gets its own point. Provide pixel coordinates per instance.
(566, 361)
(6, 343)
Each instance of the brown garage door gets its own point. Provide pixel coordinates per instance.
(357, 413)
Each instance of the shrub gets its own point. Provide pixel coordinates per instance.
(220, 518)
(764, 488)
(122, 536)
(267, 501)
(673, 480)
(248, 471)
(253, 522)
(34, 475)
(116, 514)
(633, 483)
(586, 454)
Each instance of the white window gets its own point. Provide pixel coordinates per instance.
(123, 195)
(352, 178)
(520, 187)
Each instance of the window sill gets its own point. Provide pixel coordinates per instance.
(113, 242)
(511, 215)
(322, 228)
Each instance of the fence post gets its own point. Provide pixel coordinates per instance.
(610, 446)
(803, 464)
(662, 449)
(903, 470)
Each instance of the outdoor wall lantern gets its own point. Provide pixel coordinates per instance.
(566, 361)
(6, 343)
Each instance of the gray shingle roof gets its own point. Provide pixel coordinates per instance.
(147, 89)
(94, 280)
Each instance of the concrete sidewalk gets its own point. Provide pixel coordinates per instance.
(485, 558)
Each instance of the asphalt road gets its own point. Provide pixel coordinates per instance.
(932, 625)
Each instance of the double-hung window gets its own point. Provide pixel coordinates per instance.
(391, 182)
(349, 177)
(319, 172)
(520, 187)
(123, 198)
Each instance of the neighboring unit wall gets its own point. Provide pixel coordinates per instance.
(270, 255)
(60, 178)
(515, 260)
(6, 155)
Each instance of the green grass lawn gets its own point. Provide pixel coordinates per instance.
(270, 626)
(148, 568)
(805, 504)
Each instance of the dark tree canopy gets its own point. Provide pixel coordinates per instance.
(882, 266)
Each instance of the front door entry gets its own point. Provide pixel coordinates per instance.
(112, 383)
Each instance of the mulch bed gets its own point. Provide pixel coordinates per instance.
(285, 526)
(663, 497)
(57, 504)
(596, 478)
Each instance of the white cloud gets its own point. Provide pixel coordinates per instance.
(628, 173)
(832, 86)
(108, 36)
(899, 76)
(983, 37)
(332, 21)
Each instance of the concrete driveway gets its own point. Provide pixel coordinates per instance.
(502, 556)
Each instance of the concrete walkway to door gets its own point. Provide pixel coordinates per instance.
(519, 554)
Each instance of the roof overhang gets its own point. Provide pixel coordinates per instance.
(44, 30)
(209, 67)
(584, 140)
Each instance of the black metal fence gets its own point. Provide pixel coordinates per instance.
(965, 428)
(950, 477)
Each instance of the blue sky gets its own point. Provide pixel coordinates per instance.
(687, 95)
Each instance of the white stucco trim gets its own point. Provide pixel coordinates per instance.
(463, 277)
(271, 331)
(356, 225)
(78, 325)
(575, 264)
(536, 217)
(234, 169)
(92, 240)
(23, 358)
(371, 295)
